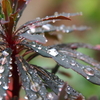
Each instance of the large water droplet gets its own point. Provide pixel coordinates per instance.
(50, 96)
(5, 53)
(89, 71)
(1, 69)
(35, 87)
(52, 52)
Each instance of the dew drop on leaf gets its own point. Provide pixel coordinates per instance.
(5, 87)
(32, 29)
(39, 47)
(1, 69)
(18, 16)
(26, 97)
(34, 45)
(87, 77)
(53, 21)
(35, 87)
(66, 97)
(52, 52)
(50, 96)
(10, 74)
(89, 71)
(0, 82)
(5, 53)
(73, 63)
(1, 98)
(47, 26)
(56, 14)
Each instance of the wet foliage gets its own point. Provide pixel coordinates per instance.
(19, 46)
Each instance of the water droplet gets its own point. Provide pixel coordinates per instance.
(26, 97)
(5, 94)
(56, 14)
(1, 69)
(10, 67)
(38, 18)
(66, 96)
(10, 74)
(3, 61)
(18, 15)
(0, 82)
(5, 87)
(32, 30)
(34, 45)
(53, 21)
(39, 47)
(35, 87)
(89, 71)
(68, 88)
(67, 31)
(87, 77)
(50, 96)
(28, 31)
(1, 98)
(47, 26)
(73, 63)
(5, 53)
(53, 52)
(61, 27)
(46, 17)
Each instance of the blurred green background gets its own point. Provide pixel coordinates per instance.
(91, 17)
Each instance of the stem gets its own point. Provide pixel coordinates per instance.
(16, 85)
(15, 76)
(55, 69)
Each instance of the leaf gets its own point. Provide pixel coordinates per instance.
(81, 56)
(76, 46)
(54, 82)
(44, 21)
(32, 83)
(34, 37)
(69, 49)
(91, 74)
(60, 16)
(6, 8)
(64, 96)
(4, 72)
